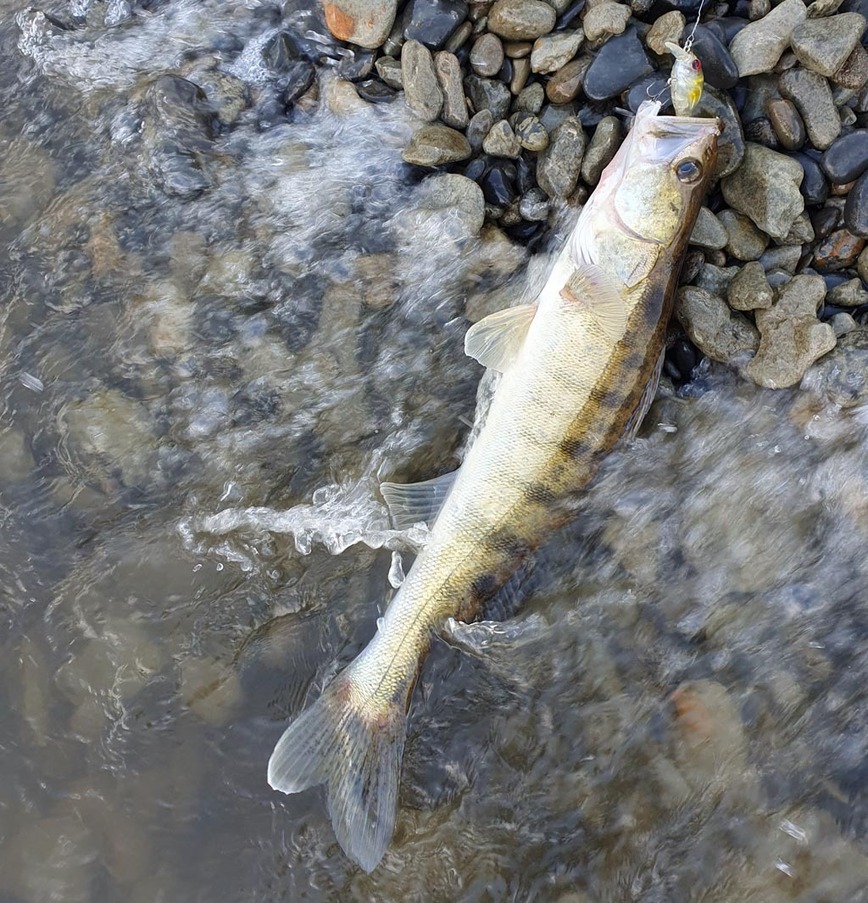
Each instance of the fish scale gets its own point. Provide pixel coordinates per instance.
(579, 368)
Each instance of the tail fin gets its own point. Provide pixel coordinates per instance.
(343, 740)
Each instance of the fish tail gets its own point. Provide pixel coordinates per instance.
(353, 743)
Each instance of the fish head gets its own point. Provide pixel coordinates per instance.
(646, 203)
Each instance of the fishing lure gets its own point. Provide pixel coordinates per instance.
(686, 80)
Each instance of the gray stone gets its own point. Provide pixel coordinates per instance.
(363, 22)
(486, 56)
(606, 18)
(501, 141)
(791, 336)
(553, 114)
(521, 20)
(531, 98)
(718, 332)
(813, 99)
(750, 290)
(842, 376)
(389, 70)
(823, 45)
(667, 27)
(819, 9)
(716, 279)
(561, 162)
(744, 240)
(766, 188)
(488, 94)
(421, 86)
(534, 206)
(848, 294)
(602, 147)
(708, 232)
(454, 192)
(758, 46)
(531, 133)
(801, 232)
(448, 69)
(434, 145)
(785, 257)
(843, 324)
(555, 50)
(479, 126)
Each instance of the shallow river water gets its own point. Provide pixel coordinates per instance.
(218, 332)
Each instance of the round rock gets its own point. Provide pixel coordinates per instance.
(501, 141)
(486, 57)
(521, 20)
(531, 133)
(434, 145)
(847, 157)
(788, 125)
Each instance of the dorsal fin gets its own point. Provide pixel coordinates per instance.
(414, 503)
(494, 341)
(600, 296)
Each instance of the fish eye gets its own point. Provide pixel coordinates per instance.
(696, 65)
(688, 170)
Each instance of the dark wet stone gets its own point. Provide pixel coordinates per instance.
(650, 86)
(356, 65)
(527, 233)
(498, 185)
(717, 64)
(839, 250)
(814, 187)
(825, 221)
(681, 359)
(432, 22)
(374, 91)
(847, 157)
(788, 125)
(568, 16)
(731, 144)
(761, 131)
(476, 169)
(488, 94)
(286, 48)
(856, 208)
(727, 27)
(620, 62)
(296, 80)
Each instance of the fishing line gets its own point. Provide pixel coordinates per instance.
(689, 42)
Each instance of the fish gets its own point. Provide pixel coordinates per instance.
(686, 80)
(579, 368)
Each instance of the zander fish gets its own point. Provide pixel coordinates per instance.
(579, 369)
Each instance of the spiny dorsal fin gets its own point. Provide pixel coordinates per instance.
(600, 296)
(494, 341)
(414, 503)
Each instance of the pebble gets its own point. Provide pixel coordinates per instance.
(601, 149)
(814, 187)
(791, 336)
(531, 98)
(478, 127)
(606, 18)
(534, 205)
(801, 232)
(749, 289)
(486, 57)
(766, 188)
(838, 250)
(744, 240)
(498, 184)
(432, 22)
(434, 145)
(363, 22)
(421, 85)
(758, 46)
(717, 331)
(518, 50)
(788, 125)
(531, 133)
(520, 75)
(848, 294)
(521, 20)
(854, 73)
(389, 70)
(823, 45)
(501, 141)
(667, 27)
(560, 163)
(842, 376)
(488, 94)
(718, 66)
(448, 69)
(708, 232)
(731, 144)
(856, 208)
(551, 52)
(843, 324)
(620, 62)
(785, 257)
(566, 83)
(847, 157)
(813, 99)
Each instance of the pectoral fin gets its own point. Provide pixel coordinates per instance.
(495, 340)
(600, 296)
(414, 503)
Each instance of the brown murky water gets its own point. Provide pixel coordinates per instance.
(216, 335)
